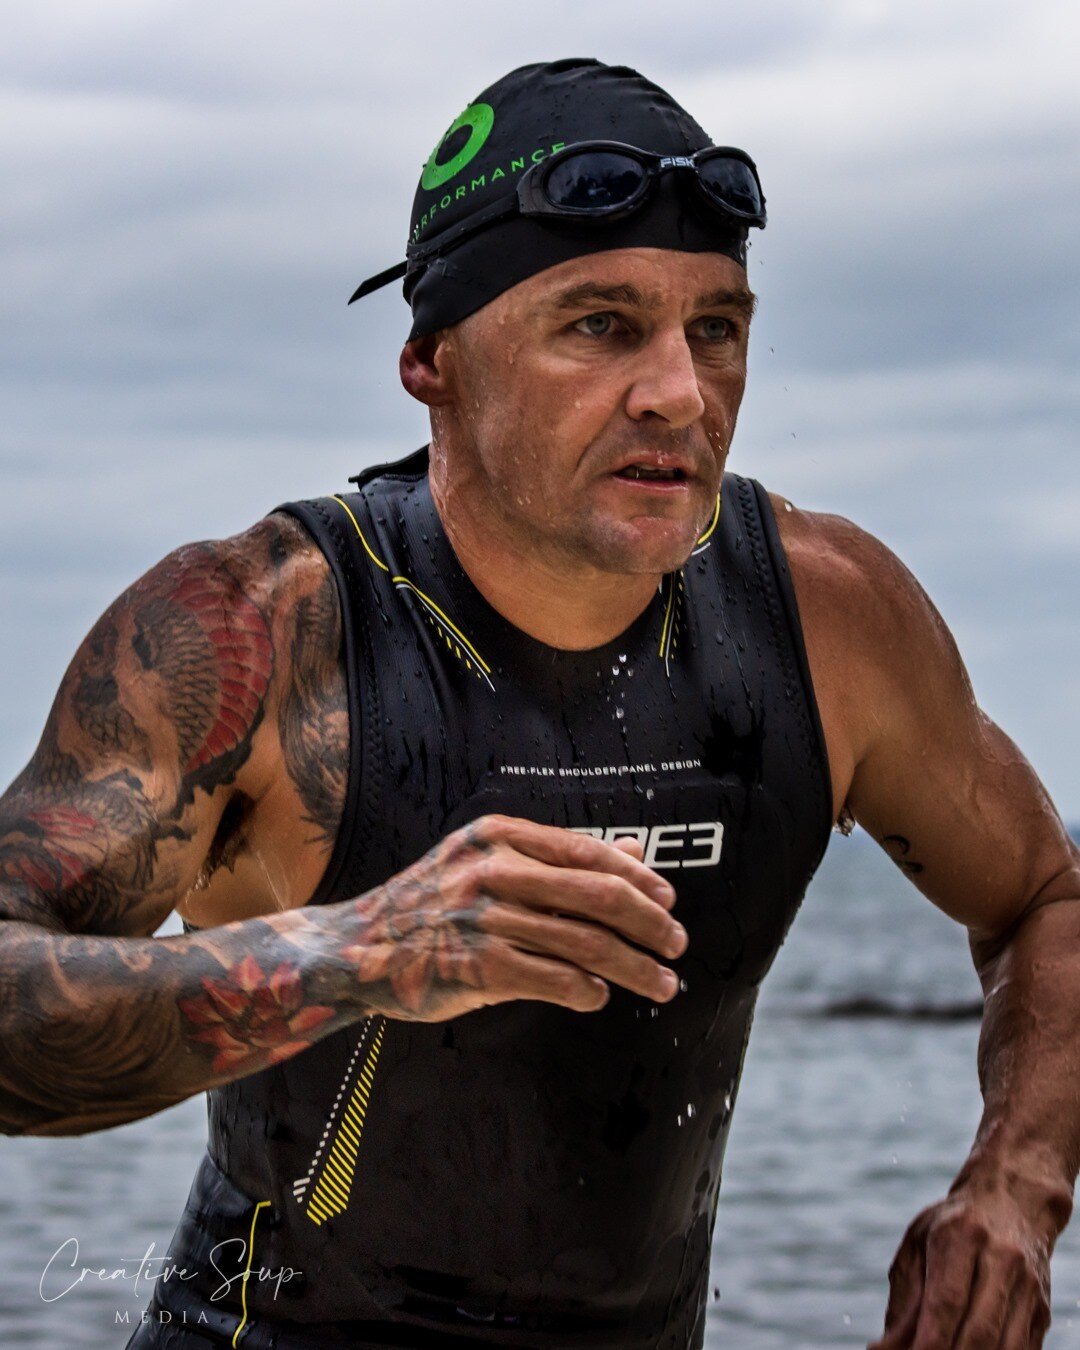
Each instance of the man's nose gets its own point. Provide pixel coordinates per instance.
(667, 383)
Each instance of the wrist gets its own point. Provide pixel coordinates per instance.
(1032, 1181)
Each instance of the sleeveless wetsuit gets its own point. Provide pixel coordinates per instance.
(522, 1175)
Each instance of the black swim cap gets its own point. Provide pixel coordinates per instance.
(518, 122)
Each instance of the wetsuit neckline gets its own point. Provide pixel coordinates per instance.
(507, 634)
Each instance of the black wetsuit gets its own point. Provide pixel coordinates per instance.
(522, 1175)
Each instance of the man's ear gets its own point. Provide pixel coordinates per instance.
(424, 369)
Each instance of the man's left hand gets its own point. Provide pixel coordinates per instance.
(972, 1273)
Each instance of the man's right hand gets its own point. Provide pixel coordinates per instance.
(504, 909)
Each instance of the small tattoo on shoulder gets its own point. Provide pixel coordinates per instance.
(899, 850)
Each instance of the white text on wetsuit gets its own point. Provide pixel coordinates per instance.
(696, 844)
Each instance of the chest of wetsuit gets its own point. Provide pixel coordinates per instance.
(523, 1175)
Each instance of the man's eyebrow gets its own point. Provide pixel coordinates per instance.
(588, 293)
(739, 298)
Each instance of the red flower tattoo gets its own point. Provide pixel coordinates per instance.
(250, 1017)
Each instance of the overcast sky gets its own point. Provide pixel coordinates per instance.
(192, 191)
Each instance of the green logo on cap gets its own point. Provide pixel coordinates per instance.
(479, 118)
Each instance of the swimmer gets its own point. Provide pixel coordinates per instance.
(488, 786)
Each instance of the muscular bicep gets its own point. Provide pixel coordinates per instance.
(942, 788)
(153, 733)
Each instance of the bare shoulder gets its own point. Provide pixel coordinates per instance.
(875, 641)
(852, 586)
(839, 564)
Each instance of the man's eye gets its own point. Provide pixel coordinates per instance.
(714, 328)
(596, 325)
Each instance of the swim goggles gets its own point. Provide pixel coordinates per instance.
(599, 181)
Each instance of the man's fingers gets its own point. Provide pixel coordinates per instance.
(950, 1268)
(602, 898)
(1028, 1317)
(566, 848)
(991, 1299)
(905, 1299)
(588, 946)
(524, 975)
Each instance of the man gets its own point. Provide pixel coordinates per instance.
(488, 792)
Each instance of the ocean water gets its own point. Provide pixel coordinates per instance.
(846, 1126)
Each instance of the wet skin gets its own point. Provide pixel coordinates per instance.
(194, 765)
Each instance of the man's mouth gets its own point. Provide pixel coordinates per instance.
(648, 473)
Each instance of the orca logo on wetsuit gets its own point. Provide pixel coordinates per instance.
(697, 844)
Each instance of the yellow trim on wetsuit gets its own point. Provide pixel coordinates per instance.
(409, 585)
(330, 1194)
(247, 1271)
(670, 579)
(367, 547)
(712, 523)
(404, 583)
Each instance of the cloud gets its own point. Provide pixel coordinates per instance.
(194, 190)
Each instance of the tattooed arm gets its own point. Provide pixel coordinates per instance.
(960, 810)
(211, 692)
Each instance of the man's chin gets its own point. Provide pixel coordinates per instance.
(647, 545)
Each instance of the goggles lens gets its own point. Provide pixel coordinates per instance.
(731, 183)
(594, 180)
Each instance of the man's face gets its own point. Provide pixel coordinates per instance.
(590, 408)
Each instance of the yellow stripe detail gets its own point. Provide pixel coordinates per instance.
(330, 1194)
(367, 547)
(712, 525)
(316, 1213)
(404, 581)
(247, 1271)
(667, 614)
